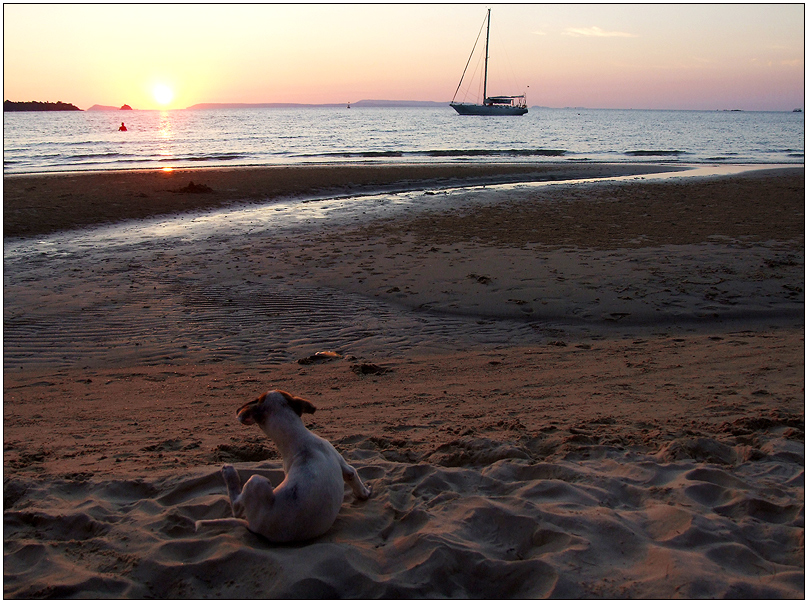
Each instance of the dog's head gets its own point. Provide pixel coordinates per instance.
(272, 403)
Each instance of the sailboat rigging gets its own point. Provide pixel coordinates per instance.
(492, 105)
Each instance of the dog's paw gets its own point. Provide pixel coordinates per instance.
(231, 478)
(366, 493)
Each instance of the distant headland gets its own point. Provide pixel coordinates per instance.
(38, 106)
(109, 108)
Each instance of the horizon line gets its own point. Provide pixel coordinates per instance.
(383, 103)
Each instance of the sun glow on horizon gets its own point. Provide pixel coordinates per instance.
(162, 94)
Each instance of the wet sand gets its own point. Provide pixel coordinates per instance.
(593, 389)
(43, 203)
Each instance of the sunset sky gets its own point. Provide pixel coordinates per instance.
(645, 56)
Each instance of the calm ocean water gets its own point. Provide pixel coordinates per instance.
(71, 141)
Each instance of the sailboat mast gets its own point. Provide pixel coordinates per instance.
(485, 80)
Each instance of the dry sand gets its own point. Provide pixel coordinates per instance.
(589, 390)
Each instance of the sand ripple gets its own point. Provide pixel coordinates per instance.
(620, 525)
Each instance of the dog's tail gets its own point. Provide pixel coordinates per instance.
(232, 522)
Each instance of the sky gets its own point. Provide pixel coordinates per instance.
(640, 56)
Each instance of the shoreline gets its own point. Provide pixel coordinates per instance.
(46, 203)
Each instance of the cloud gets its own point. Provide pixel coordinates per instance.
(596, 32)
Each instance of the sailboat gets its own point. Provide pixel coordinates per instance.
(492, 105)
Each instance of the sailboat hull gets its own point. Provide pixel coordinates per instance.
(471, 109)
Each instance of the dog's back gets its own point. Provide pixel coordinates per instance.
(307, 501)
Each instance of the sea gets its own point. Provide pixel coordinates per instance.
(36, 142)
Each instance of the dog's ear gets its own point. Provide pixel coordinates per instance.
(299, 405)
(250, 413)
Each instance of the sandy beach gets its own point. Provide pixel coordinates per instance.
(590, 389)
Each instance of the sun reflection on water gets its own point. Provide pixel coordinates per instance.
(165, 126)
(165, 133)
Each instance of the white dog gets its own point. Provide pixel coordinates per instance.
(305, 504)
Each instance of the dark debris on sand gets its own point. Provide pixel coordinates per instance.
(192, 189)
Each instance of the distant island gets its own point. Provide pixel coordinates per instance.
(109, 108)
(362, 103)
(38, 106)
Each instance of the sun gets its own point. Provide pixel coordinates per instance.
(163, 94)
